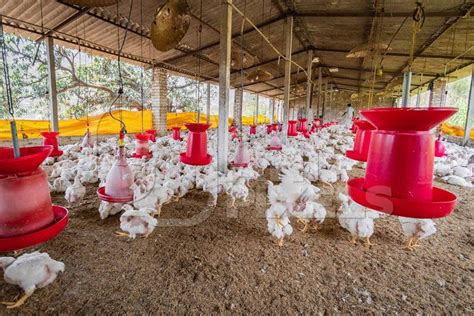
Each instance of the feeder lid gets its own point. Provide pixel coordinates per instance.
(49, 134)
(30, 159)
(39, 236)
(112, 199)
(197, 127)
(363, 124)
(407, 119)
(142, 136)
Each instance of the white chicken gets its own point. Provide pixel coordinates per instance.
(107, 209)
(137, 222)
(416, 229)
(238, 190)
(278, 223)
(76, 192)
(29, 271)
(456, 180)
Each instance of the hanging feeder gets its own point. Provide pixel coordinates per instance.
(242, 156)
(27, 217)
(399, 175)
(315, 125)
(253, 129)
(233, 132)
(196, 146)
(302, 125)
(362, 141)
(292, 128)
(177, 133)
(51, 139)
(354, 126)
(86, 141)
(119, 180)
(142, 149)
(275, 143)
(152, 133)
(170, 24)
(440, 150)
(92, 3)
(270, 128)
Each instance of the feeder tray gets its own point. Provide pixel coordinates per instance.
(362, 141)
(39, 236)
(399, 174)
(51, 139)
(111, 199)
(30, 159)
(196, 147)
(292, 128)
(276, 148)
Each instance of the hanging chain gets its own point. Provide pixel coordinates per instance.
(418, 21)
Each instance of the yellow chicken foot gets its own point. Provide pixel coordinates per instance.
(415, 243)
(409, 244)
(354, 240)
(19, 302)
(305, 223)
(280, 242)
(233, 203)
(121, 234)
(157, 212)
(368, 243)
(316, 226)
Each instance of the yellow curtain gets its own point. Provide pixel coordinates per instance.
(455, 130)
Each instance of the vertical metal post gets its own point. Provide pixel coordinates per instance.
(53, 93)
(256, 111)
(208, 105)
(418, 98)
(470, 111)
(320, 95)
(271, 110)
(406, 89)
(286, 91)
(224, 84)
(326, 94)
(309, 86)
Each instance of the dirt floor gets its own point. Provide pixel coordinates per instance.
(216, 260)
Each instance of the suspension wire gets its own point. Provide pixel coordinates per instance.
(198, 73)
(42, 34)
(142, 68)
(241, 92)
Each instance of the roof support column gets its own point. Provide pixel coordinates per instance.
(326, 94)
(53, 92)
(238, 97)
(320, 94)
(470, 111)
(224, 84)
(271, 110)
(406, 89)
(159, 99)
(256, 110)
(208, 104)
(309, 87)
(286, 92)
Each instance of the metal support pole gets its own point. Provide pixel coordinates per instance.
(208, 105)
(53, 93)
(326, 94)
(470, 112)
(320, 94)
(309, 86)
(271, 110)
(256, 111)
(406, 89)
(224, 84)
(286, 92)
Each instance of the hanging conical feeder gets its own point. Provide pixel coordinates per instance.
(92, 3)
(170, 24)
(275, 143)
(152, 133)
(354, 126)
(315, 125)
(177, 133)
(242, 156)
(86, 141)
(51, 139)
(142, 148)
(119, 181)
(27, 216)
(362, 141)
(253, 129)
(302, 125)
(292, 128)
(270, 128)
(399, 174)
(196, 146)
(440, 149)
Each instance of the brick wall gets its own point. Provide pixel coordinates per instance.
(237, 106)
(159, 99)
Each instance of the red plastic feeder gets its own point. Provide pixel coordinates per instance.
(362, 141)
(303, 127)
(242, 156)
(399, 174)
(292, 128)
(269, 128)
(51, 139)
(275, 143)
(196, 147)
(177, 133)
(440, 150)
(253, 129)
(118, 182)
(141, 146)
(152, 133)
(27, 217)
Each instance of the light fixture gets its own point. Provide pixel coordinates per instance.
(315, 60)
(333, 69)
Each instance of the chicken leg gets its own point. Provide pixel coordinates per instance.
(409, 244)
(121, 234)
(20, 301)
(368, 243)
(305, 223)
(280, 242)
(354, 240)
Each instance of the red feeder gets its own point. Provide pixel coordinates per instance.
(51, 139)
(270, 128)
(253, 129)
(362, 141)
(177, 133)
(242, 157)
(292, 128)
(303, 128)
(27, 217)
(440, 150)
(119, 181)
(141, 146)
(152, 133)
(399, 174)
(275, 143)
(196, 147)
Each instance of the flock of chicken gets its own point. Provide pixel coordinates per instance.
(302, 163)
